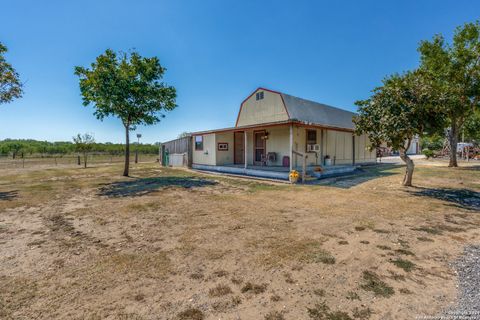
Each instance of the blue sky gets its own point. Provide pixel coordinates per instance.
(216, 53)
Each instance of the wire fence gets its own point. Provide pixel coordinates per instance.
(72, 160)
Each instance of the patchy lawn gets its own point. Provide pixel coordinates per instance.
(174, 244)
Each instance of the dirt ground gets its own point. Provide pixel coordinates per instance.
(175, 244)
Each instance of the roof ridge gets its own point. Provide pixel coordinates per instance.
(320, 103)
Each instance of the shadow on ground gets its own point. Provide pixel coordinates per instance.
(142, 186)
(8, 195)
(460, 198)
(470, 168)
(360, 176)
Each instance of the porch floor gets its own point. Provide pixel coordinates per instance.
(274, 172)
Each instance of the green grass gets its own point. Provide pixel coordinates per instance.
(404, 264)
(384, 247)
(362, 313)
(405, 252)
(323, 256)
(352, 295)
(424, 239)
(381, 231)
(322, 312)
(373, 283)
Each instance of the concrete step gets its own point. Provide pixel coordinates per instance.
(333, 171)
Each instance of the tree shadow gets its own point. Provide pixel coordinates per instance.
(460, 198)
(8, 195)
(142, 186)
(470, 168)
(360, 176)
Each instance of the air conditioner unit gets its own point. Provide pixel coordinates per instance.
(313, 147)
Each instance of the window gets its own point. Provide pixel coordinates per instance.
(311, 136)
(259, 95)
(198, 143)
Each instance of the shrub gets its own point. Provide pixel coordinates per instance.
(428, 153)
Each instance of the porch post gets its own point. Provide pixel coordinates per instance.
(291, 147)
(245, 149)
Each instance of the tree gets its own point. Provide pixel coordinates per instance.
(184, 135)
(128, 87)
(84, 144)
(10, 85)
(472, 127)
(396, 112)
(456, 69)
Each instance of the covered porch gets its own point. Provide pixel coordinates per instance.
(275, 172)
(273, 150)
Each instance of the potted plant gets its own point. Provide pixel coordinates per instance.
(293, 176)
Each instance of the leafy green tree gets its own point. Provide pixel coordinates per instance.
(456, 69)
(128, 87)
(10, 85)
(472, 127)
(396, 112)
(84, 144)
(184, 134)
(15, 148)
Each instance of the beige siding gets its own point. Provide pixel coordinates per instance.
(208, 154)
(269, 109)
(336, 144)
(279, 142)
(313, 158)
(224, 157)
(362, 154)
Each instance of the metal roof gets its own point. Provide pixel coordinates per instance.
(302, 112)
(315, 113)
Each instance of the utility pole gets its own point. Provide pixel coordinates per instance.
(139, 135)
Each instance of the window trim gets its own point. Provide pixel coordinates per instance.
(259, 95)
(306, 137)
(195, 142)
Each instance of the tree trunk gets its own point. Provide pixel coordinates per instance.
(127, 151)
(453, 141)
(407, 179)
(85, 160)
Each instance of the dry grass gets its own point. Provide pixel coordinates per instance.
(274, 315)
(185, 245)
(220, 291)
(254, 288)
(191, 314)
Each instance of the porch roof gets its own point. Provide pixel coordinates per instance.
(272, 124)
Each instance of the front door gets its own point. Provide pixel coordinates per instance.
(239, 147)
(259, 147)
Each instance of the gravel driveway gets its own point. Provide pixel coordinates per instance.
(467, 268)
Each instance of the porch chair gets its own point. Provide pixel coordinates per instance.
(271, 156)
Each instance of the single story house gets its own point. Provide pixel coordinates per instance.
(275, 131)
